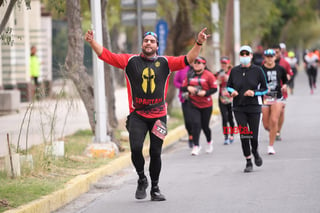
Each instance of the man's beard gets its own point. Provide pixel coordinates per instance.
(148, 53)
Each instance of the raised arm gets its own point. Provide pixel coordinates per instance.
(94, 45)
(195, 51)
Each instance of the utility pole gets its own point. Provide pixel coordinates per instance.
(216, 36)
(236, 25)
(102, 146)
(98, 77)
(139, 23)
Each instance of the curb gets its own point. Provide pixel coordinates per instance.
(81, 184)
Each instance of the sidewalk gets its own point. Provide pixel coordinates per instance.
(71, 116)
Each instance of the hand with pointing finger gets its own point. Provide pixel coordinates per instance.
(202, 36)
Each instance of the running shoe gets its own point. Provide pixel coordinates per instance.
(209, 147)
(195, 150)
(278, 137)
(141, 188)
(257, 159)
(271, 150)
(231, 139)
(156, 194)
(226, 142)
(249, 167)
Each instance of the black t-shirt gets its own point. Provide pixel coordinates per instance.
(242, 79)
(275, 76)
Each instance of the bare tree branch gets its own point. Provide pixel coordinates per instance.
(6, 16)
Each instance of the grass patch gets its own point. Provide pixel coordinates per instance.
(49, 174)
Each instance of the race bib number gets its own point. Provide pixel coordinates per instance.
(159, 129)
(270, 98)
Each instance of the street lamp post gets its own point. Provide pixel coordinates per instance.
(102, 146)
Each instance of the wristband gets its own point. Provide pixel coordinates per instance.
(199, 44)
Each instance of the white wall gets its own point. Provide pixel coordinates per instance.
(46, 48)
(29, 28)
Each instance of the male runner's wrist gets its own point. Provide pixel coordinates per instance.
(199, 44)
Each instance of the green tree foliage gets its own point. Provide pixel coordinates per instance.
(256, 20)
(296, 20)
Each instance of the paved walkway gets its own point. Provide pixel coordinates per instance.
(71, 116)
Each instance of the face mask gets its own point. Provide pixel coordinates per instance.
(245, 60)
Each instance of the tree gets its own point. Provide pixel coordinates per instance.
(7, 14)
(182, 35)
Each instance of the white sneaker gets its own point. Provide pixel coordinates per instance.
(195, 150)
(271, 150)
(209, 147)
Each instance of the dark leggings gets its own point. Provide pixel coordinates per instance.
(200, 118)
(252, 122)
(138, 128)
(291, 81)
(227, 117)
(312, 76)
(186, 116)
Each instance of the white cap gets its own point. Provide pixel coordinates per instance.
(282, 45)
(245, 48)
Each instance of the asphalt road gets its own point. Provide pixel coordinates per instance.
(287, 182)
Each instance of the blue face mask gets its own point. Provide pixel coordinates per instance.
(245, 60)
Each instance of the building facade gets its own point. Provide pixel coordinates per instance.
(30, 27)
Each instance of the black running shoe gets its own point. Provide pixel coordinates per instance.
(257, 159)
(156, 194)
(141, 189)
(249, 167)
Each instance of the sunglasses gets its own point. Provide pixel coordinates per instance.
(269, 56)
(150, 33)
(244, 53)
(200, 61)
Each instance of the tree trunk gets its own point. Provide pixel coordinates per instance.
(178, 40)
(109, 70)
(228, 32)
(75, 69)
(109, 79)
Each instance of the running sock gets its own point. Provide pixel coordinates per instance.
(249, 160)
(154, 183)
(141, 175)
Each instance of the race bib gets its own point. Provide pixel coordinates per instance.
(270, 98)
(159, 129)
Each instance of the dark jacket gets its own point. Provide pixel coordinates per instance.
(242, 79)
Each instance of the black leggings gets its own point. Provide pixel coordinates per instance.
(138, 128)
(200, 118)
(312, 76)
(227, 117)
(186, 116)
(252, 122)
